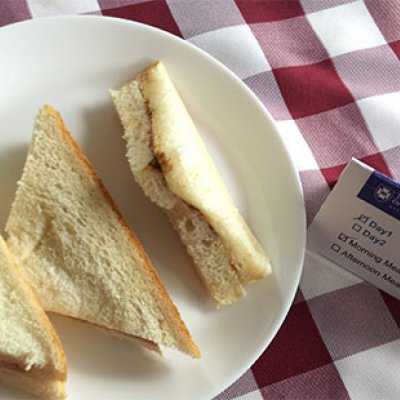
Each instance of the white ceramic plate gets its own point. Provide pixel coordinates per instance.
(70, 63)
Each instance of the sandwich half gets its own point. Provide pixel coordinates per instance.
(31, 357)
(76, 250)
(170, 162)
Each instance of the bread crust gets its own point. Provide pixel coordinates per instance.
(191, 174)
(113, 332)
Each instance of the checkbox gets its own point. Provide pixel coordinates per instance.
(335, 247)
(363, 218)
(343, 237)
(357, 227)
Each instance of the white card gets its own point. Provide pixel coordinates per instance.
(358, 227)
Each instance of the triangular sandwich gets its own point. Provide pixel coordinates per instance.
(77, 251)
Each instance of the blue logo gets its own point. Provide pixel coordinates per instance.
(383, 193)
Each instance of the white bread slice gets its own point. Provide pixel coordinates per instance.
(171, 164)
(73, 245)
(31, 357)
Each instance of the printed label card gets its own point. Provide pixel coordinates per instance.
(358, 227)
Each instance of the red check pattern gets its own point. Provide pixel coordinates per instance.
(328, 71)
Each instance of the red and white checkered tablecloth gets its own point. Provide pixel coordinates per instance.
(329, 73)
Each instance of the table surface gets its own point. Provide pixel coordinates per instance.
(328, 71)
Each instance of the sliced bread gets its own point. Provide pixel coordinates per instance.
(170, 162)
(73, 245)
(31, 357)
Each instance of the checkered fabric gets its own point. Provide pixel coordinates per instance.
(328, 71)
